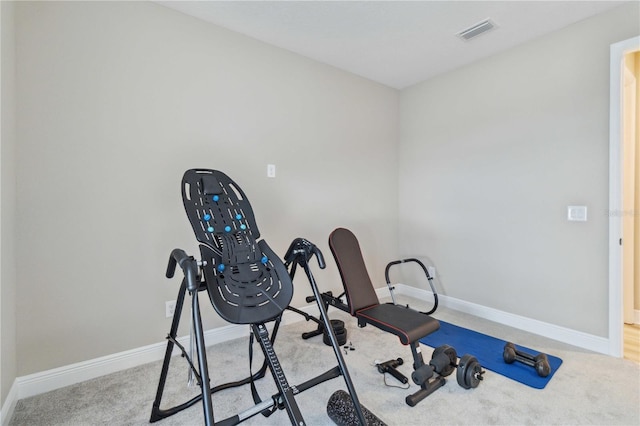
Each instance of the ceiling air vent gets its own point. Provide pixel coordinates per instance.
(477, 29)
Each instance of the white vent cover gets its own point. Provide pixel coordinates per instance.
(477, 29)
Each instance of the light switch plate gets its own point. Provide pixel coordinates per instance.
(577, 213)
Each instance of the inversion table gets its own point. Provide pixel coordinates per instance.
(247, 283)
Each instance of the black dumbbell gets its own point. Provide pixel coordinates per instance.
(540, 362)
(444, 360)
(470, 372)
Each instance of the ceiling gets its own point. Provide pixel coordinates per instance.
(396, 43)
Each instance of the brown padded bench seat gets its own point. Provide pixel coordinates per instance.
(409, 325)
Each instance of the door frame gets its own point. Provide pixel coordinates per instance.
(618, 51)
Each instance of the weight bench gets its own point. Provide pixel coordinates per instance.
(362, 302)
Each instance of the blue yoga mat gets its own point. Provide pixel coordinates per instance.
(489, 350)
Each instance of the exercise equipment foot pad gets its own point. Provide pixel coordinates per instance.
(488, 350)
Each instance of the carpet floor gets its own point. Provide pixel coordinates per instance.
(588, 389)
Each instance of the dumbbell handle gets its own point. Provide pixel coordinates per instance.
(528, 356)
(540, 362)
(525, 360)
(521, 356)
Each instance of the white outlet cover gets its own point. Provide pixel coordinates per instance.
(169, 308)
(577, 213)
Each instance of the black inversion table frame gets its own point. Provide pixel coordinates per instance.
(247, 283)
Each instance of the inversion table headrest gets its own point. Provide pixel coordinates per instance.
(247, 283)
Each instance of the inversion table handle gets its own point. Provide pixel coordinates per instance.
(301, 250)
(189, 267)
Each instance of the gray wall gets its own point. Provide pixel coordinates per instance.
(115, 101)
(8, 355)
(490, 157)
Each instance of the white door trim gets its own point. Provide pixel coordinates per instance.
(618, 50)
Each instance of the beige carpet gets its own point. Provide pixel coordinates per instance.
(588, 388)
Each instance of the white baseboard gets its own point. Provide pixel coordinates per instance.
(636, 316)
(9, 405)
(34, 384)
(56, 378)
(552, 331)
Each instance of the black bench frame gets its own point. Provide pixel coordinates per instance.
(362, 302)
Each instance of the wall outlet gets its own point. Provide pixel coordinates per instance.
(169, 308)
(432, 271)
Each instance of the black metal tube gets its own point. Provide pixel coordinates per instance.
(156, 412)
(336, 347)
(202, 360)
(177, 256)
(427, 390)
(331, 374)
(426, 272)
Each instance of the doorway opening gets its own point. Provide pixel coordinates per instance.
(623, 209)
